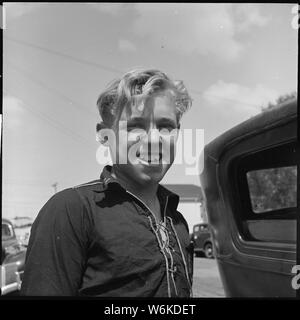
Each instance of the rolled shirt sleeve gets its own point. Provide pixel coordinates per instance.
(56, 254)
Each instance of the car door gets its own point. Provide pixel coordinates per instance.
(250, 184)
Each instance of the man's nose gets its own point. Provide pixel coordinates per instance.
(154, 135)
(154, 140)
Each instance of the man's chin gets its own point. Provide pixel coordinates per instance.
(150, 174)
(144, 174)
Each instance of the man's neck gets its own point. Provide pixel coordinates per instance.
(147, 193)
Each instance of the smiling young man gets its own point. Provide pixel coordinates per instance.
(121, 235)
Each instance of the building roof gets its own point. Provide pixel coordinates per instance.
(186, 192)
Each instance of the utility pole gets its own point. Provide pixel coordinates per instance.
(54, 185)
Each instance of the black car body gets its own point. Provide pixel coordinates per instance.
(12, 259)
(202, 240)
(250, 185)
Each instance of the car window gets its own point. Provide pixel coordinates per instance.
(273, 189)
(267, 183)
(6, 231)
(204, 228)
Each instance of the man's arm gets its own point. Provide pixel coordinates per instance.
(190, 262)
(56, 253)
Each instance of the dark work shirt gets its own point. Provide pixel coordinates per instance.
(97, 239)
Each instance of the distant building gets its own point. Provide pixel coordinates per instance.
(22, 222)
(191, 203)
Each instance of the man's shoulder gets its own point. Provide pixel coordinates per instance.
(92, 190)
(94, 185)
(76, 194)
(72, 201)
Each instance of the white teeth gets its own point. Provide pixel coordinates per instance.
(149, 160)
(152, 158)
(143, 162)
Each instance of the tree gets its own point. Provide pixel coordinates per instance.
(273, 189)
(281, 99)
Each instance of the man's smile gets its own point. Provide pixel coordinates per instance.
(149, 159)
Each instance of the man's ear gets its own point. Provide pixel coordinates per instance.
(101, 133)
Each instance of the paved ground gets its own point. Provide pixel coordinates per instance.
(207, 282)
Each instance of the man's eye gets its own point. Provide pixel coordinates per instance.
(166, 128)
(131, 127)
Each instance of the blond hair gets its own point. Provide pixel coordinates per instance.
(136, 85)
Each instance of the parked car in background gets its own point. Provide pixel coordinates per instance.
(12, 259)
(22, 227)
(202, 240)
(250, 185)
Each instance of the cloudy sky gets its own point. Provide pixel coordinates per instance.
(59, 57)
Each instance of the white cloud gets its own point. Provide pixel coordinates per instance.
(126, 46)
(197, 28)
(232, 97)
(15, 10)
(247, 16)
(13, 112)
(113, 9)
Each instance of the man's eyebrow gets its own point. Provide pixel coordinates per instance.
(142, 120)
(136, 120)
(167, 120)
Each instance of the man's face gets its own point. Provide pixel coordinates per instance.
(145, 147)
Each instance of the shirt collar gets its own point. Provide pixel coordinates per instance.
(107, 178)
(165, 196)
